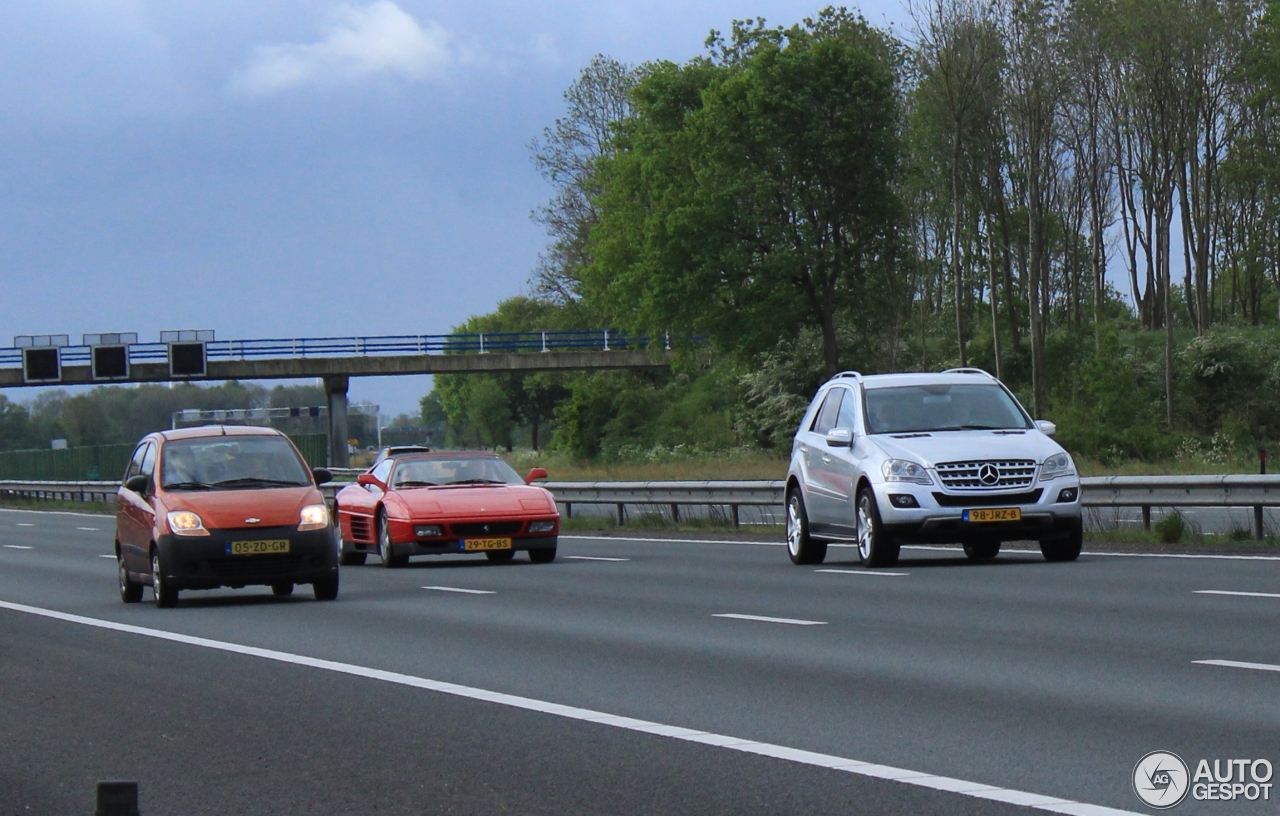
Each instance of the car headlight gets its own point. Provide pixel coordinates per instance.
(541, 526)
(1059, 464)
(186, 523)
(900, 470)
(428, 531)
(313, 517)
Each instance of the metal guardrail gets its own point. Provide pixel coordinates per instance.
(1143, 492)
(603, 340)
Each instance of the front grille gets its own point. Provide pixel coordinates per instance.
(1010, 474)
(485, 528)
(987, 499)
(252, 566)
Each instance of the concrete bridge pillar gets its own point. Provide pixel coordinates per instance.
(335, 389)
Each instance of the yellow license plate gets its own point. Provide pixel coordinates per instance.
(275, 545)
(478, 544)
(994, 514)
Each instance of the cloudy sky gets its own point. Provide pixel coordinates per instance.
(286, 168)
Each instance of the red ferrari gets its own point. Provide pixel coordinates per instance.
(440, 503)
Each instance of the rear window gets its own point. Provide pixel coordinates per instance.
(231, 461)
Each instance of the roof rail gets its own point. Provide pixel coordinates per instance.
(854, 374)
(969, 370)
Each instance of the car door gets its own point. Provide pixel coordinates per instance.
(842, 464)
(134, 515)
(823, 497)
(358, 511)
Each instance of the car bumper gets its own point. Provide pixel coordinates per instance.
(940, 516)
(458, 545)
(206, 562)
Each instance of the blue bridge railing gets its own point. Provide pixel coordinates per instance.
(604, 340)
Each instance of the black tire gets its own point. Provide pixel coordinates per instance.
(876, 547)
(542, 555)
(282, 588)
(982, 550)
(500, 556)
(1065, 547)
(166, 594)
(801, 547)
(352, 559)
(327, 589)
(389, 559)
(130, 590)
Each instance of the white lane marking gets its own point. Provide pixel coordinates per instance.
(928, 547)
(112, 557)
(20, 524)
(1236, 664)
(460, 589)
(17, 547)
(860, 572)
(88, 529)
(56, 513)
(1238, 594)
(978, 790)
(792, 621)
(594, 558)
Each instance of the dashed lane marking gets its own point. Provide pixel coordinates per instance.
(1237, 594)
(17, 547)
(112, 557)
(88, 529)
(1237, 664)
(862, 572)
(460, 589)
(977, 790)
(22, 524)
(594, 558)
(765, 619)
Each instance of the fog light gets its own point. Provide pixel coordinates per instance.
(428, 531)
(1068, 494)
(541, 526)
(903, 500)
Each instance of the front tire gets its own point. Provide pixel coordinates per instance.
(500, 556)
(981, 551)
(327, 589)
(389, 559)
(282, 589)
(347, 558)
(876, 547)
(1065, 547)
(130, 590)
(801, 547)
(166, 594)
(542, 555)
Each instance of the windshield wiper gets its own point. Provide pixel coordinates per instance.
(476, 481)
(254, 480)
(970, 428)
(412, 483)
(188, 486)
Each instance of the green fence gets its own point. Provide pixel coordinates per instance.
(107, 462)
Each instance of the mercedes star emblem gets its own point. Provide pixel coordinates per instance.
(988, 474)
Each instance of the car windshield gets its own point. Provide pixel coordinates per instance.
(231, 462)
(460, 470)
(926, 408)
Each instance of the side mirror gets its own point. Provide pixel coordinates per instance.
(536, 473)
(138, 484)
(1046, 427)
(839, 438)
(369, 480)
(322, 475)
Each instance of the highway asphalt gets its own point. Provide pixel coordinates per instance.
(752, 686)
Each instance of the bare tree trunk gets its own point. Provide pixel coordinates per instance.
(955, 245)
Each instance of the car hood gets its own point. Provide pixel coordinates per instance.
(961, 446)
(471, 499)
(230, 509)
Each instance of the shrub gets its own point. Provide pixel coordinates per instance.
(1171, 528)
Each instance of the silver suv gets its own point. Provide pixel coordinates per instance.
(912, 458)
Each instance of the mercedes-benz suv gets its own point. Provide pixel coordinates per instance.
(949, 457)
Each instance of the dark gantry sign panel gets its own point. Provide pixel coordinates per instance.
(110, 362)
(186, 359)
(41, 365)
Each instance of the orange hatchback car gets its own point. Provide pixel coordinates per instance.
(209, 507)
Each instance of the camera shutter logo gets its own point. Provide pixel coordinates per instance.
(1161, 779)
